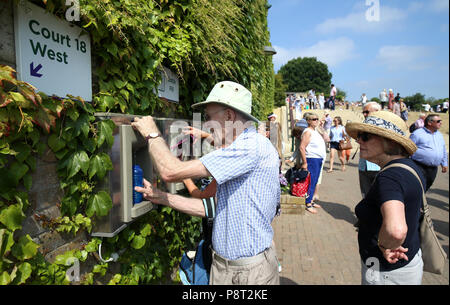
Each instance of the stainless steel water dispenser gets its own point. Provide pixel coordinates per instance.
(129, 149)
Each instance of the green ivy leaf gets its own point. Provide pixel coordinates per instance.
(82, 125)
(112, 48)
(99, 204)
(99, 165)
(6, 181)
(6, 242)
(18, 170)
(89, 144)
(23, 150)
(24, 272)
(5, 279)
(138, 242)
(119, 83)
(12, 217)
(92, 246)
(28, 182)
(55, 143)
(25, 249)
(78, 160)
(105, 132)
(31, 161)
(66, 259)
(73, 114)
(68, 206)
(146, 230)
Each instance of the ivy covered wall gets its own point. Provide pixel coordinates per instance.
(42, 137)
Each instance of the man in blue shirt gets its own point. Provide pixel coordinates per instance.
(431, 151)
(248, 187)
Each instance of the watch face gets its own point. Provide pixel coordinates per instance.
(153, 135)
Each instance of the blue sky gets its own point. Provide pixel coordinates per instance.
(406, 50)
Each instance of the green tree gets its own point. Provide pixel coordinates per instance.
(280, 89)
(415, 101)
(303, 74)
(341, 94)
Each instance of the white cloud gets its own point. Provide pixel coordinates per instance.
(390, 18)
(434, 6)
(332, 52)
(404, 57)
(438, 6)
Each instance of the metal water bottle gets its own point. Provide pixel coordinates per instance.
(138, 180)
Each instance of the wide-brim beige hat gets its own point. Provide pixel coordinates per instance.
(384, 124)
(232, 95)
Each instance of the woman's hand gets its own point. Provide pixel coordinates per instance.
(394, 255)
(197, 133)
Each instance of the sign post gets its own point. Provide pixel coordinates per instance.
(52, 54)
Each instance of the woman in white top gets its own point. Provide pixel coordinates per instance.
(337, 133)
(322, 101)
(313, 153)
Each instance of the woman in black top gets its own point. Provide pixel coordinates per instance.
(389, 216)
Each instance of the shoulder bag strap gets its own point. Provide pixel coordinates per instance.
(426, 210)
(210, 209)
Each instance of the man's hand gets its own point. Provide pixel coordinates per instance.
(444, 169)
(149, 193)
(145, 125)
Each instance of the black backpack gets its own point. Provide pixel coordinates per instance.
(195, 265)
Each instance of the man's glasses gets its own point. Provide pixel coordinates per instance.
(364, 136)
(437, 121)
(366, 112)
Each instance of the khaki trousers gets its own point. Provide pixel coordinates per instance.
(261, 269)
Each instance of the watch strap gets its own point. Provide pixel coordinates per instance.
(150, 136)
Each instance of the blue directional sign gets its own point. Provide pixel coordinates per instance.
(34, 70)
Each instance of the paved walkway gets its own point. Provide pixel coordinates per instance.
(322, 249)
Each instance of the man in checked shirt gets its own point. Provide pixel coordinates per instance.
(248, 188)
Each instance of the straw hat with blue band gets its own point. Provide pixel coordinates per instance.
(384, 124)
(232, 95)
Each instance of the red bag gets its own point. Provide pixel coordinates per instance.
(300, 189)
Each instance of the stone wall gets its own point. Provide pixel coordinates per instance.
(7, 48)
(45, 194)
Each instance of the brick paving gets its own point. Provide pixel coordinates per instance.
(322, 248)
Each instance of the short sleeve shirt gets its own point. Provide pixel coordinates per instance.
(391, 184)
(336, 133)
(248, 192)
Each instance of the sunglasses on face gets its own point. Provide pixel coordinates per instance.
(437, 121)
(364, 136)
(366, 112)
(315, 119)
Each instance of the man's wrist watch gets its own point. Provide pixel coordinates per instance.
(152, 135)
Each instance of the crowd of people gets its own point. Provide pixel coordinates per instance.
(312, 100)
(391, 196)
(245, 183)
